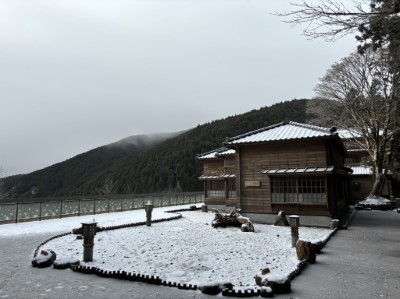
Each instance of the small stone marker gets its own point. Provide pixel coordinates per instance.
(88, 232)
(281, 219)
(294, 227)
(149, 209)
(334, 224)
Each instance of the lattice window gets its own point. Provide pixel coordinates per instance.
(299, 189)
(215, 189)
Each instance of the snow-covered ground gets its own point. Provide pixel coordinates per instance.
(187, 250)
(375, 201)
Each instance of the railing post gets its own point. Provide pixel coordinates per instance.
(40, 210)
(16, 213)
(61, 204)
(94, 206)
(79, 207)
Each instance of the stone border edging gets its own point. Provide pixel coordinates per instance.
(155, 280)
(132, 276)
(48, 240)
(303, 264)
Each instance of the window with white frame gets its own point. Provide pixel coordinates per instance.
(302, 189)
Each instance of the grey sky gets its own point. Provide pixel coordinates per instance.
(77, 74)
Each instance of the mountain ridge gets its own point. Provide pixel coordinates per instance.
(166, 164)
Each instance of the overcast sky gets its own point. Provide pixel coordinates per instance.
(78, 74)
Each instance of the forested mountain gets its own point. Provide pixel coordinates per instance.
(66, 177)
(147, 165)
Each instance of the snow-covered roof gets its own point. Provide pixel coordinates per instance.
(282, 131)
(217, 153)
(228, 152)
(356, 150)
(365, 170)
(351, 134)
(361, 170)
(217, 177)
(347, 134)
(319, 170)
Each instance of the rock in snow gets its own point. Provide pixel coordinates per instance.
(305, 251)
(280, 284)
(281, 219)
(65, 263)
(233, 219)
(44, 258)
(214, 288)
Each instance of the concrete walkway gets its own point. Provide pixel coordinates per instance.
(360, 262)
(21, 281)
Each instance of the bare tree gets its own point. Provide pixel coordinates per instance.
(369, 91)
(375, 20)
(323, 113)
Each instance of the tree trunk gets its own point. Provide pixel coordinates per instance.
(377, 188)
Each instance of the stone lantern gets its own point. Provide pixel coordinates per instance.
(88, 233)
(294, 222)
(148, 208)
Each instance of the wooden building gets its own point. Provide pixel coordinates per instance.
(219, 178)
(289, 166)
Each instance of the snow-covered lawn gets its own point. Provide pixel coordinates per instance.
(187, 250)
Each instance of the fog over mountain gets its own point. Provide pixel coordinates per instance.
(76, 75)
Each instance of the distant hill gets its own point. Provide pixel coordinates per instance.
(146, 164)
(66, 177)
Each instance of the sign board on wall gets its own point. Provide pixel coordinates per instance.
(252, 183)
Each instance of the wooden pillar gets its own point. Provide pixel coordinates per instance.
(226, 190)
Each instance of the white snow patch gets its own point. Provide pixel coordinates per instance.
(189, 250)
(67, 224)
(375, 200)
(279, 278)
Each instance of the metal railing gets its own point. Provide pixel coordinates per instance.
(22, 210)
